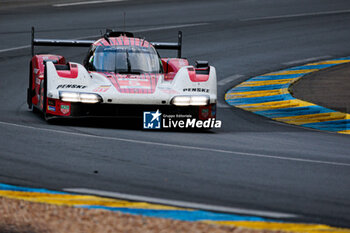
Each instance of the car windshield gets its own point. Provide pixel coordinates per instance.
(126, 59)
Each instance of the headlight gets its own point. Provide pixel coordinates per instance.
(190, 100)
(89, 98)
(80, 97)
(181, 100)
(199, 100)
(69, 96)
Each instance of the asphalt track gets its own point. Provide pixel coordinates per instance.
(250, 163)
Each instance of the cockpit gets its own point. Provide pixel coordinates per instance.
(124, 59)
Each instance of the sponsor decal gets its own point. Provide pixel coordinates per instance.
(103, 88)
(143, 84)
(134, 83)
(71, 86)
(213, 112)
(65, 108)
(37, 81)
(36, 71)
(151, 120)
(51, 108)
(196, 89)
(205, 112)
(51, 102)
(169, 91)
(157, 120)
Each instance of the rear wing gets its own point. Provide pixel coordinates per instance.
(87, 43)
(172, 46)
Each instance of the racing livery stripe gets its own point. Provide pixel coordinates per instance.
(122, 40)
(119, 41)
(101, 43)
(267, 95)
(158, 210)
(141, 84)
(112, 41)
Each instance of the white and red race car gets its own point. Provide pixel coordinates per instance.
(122, 76)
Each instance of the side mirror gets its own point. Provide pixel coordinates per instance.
(202, 64)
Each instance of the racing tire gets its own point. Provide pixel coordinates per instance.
(48, 118)
(30, 87)
(45, 96)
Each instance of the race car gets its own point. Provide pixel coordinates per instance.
(121, 76)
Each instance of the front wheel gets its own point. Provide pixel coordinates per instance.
(43, 95)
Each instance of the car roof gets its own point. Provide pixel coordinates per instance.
(123, 40)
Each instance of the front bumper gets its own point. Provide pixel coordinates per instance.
(75, 110)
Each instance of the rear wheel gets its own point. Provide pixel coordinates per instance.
(30, 87)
